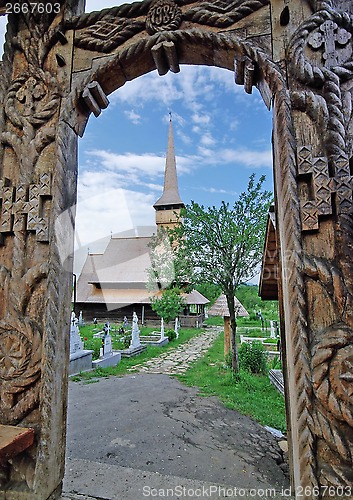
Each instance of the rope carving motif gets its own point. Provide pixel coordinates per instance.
(209, 18)
(125, 21)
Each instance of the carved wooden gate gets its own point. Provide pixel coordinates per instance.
(58, 67)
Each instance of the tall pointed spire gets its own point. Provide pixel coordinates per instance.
(170, 197)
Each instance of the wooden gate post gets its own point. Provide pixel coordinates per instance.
(313, 45)
(299, 54)
(37, 197)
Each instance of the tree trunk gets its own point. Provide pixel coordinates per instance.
(233, 325)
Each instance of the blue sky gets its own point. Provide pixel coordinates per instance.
(221, 135)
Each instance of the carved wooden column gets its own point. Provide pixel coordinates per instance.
(313, 44)
(37, 190)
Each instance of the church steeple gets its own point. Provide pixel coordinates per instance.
(170, 203)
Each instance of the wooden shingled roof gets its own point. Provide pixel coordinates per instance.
(220, 308)
(268, 288)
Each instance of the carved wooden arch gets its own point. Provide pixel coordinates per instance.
(219, 50)
(276, 93)
(304, 64)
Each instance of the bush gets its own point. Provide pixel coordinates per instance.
(275, 363)
(127, 341)
(93, 345)
(171, 335)
(253, 357)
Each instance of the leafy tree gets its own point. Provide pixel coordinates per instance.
(210, 291)
(169, 305)
(225, 245)
(170, 272)
(170, 268)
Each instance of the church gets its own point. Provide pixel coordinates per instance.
(113, 284)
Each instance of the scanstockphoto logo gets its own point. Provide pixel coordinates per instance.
(211, 491)
(113, 257)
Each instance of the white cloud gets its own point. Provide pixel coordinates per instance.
(111, 211)
(129, 169)
(191, 84)
(135, 118)
(218, 191)
(136, 166)
(208, 140)
(104, 208)
(201, 119)
(3, 20)
(247, 157)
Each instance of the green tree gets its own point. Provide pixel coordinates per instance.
(170, 272)
(170, 268)
(210, 291)
(169, 305)
(225, 244)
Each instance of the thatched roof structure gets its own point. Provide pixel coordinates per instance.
(220, 308)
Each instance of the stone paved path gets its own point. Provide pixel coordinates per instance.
(179, 359)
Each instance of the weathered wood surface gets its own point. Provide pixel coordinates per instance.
(14, 440)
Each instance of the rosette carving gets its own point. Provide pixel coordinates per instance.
(32, 100)
(20, 366)
(15, 352)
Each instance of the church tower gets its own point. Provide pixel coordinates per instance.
(169, 204)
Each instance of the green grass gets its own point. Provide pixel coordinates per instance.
(214, 321)
(251, 395)
(252, 332)
(127, 365)
(95, 344)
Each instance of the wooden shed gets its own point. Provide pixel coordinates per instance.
(268, 286)
(220, 308)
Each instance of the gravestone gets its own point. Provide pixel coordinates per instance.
(162, 330)
(107, 347)
(135, 347)
(176, 327)
(76, 343)
(80, 358)
(80, 320)
(107, 357)
(272, 330)
(135, 333)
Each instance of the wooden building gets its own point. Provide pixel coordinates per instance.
(268, 287)
(114, 284)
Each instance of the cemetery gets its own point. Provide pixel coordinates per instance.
(57, 70)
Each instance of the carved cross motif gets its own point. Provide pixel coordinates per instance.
(24, 207)
(317, 198)
(329, 35)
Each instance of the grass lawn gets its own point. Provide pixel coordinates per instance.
(127, 364)
(252, 395)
